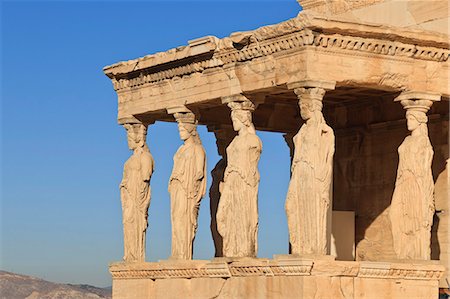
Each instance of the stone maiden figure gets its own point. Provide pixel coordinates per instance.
(237, 214)
(308, 198)
(187, 186)
(412, 206)
(135, 193)
(224, 136)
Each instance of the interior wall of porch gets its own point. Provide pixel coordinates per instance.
(365, 169)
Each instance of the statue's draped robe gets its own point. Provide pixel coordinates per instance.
(308, 198)
(187, 186)
(412, 205)
(237, 215)
(217, 175)
(135, 196)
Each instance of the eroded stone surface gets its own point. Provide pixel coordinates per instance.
(224, 136)
(187, 186)
(263, 278)
(237, 213)
(308, 202)
(135, 193)
(412, 207)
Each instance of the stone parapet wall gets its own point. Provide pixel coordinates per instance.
(282, 277)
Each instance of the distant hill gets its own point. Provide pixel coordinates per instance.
(16, 286)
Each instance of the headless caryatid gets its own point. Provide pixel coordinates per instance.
(224, 136)
(187, 186)
(308, 200)
(135, 193)
(412, 206)
(237, 214)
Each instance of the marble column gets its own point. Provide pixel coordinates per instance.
(135, 192)
(224, 135)
(187, 184)
(308, 202)
(412, 206)
(237, 213)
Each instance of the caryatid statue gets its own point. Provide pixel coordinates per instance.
(187, 186)
(412, 207)
(135, 193)
(308, 201)
(237, 214)
(224, 136)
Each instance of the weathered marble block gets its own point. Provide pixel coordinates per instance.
(282, 277)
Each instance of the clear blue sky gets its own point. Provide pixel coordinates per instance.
(63, 152)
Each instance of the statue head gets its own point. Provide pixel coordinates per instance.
(187, 130)
(241, 119)
(187, 125)
(241, 115)
(416, 114)
(415, 119)
(136, 134)
(310, 107)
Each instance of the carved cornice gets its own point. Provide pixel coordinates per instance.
(297, 40)
(153, 77)
(267, 47)
(261, 267)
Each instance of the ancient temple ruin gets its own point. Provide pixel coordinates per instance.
(360, 90)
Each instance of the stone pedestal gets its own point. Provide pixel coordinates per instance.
(282, 277)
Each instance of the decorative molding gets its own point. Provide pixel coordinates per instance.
(267, 47)
(369, 45)
(144, 78)
(168, 270)
(262, 267)
(250, 270)
(299, 39)
(403, 271)
(291, 270)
